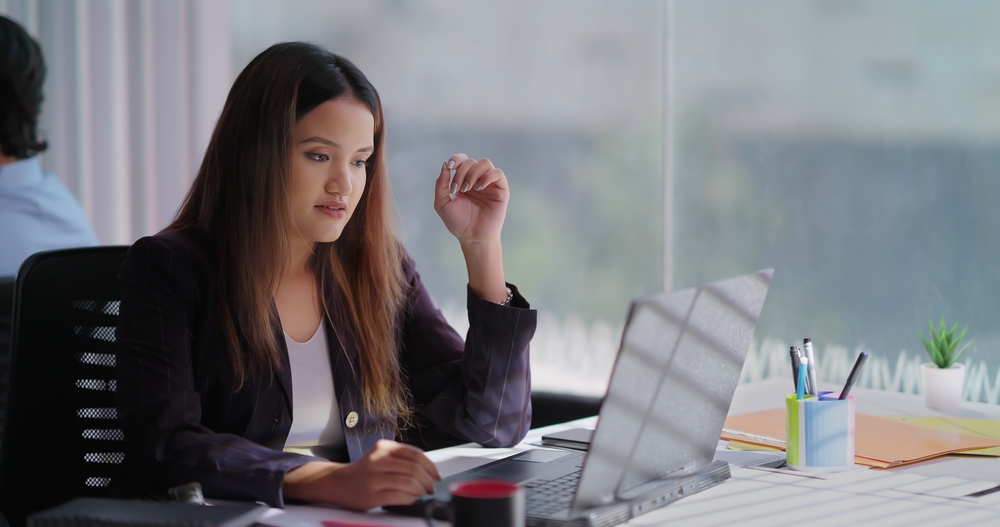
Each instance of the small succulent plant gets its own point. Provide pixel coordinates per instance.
(943, 343)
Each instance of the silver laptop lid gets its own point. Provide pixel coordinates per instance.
(679, 362)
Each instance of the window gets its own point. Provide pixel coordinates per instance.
(853, 147)
(850, 145)
(565, 96)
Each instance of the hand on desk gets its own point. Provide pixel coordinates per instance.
(391, 474)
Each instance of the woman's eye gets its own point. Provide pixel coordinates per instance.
(360, 163)
(318, 157)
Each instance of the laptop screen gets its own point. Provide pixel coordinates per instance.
(678, 366)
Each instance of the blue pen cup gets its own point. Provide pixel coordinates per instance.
(820, 432)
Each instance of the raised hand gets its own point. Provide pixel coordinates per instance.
(473, 204)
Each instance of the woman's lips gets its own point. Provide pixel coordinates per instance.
(336, 210)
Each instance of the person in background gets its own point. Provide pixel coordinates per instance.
(275, 339)
(37, 212)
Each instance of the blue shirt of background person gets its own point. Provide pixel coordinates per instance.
(37, 212)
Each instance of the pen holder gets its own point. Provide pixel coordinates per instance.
(820, 432)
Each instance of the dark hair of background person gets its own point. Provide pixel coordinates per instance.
(22, 71)
(240, 200)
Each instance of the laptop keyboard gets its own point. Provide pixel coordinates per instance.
(549, 496)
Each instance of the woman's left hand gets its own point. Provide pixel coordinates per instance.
(473, 204)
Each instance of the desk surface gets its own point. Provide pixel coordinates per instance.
(753, 497)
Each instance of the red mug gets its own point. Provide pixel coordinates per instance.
(481, 503)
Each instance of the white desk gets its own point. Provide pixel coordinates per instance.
(448, 460)
(755, 498)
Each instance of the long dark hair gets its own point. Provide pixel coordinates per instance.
(22, 72)
(240, 200)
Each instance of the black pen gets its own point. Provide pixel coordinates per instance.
(853, 377)
(794, 354)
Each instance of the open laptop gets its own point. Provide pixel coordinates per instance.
(678, 365)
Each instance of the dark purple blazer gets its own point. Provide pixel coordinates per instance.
(185, 420)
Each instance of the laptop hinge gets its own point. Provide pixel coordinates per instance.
(663, 491)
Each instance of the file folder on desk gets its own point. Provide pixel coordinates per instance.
(880, 442)
(972, 426)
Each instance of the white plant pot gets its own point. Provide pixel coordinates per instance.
(943, 387)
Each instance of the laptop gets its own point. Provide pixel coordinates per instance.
(679, 361)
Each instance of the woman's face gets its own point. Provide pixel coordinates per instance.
(330, 145)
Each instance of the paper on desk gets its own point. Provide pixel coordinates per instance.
(744, 446)
(879, 442)
(810, 474)
(315, 515)
(963, 425)
(741, 445)
(737, 458)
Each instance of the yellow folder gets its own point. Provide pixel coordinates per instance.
(963, 425)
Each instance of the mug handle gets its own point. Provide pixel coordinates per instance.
(429, 509)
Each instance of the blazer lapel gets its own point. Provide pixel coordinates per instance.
(346, 372)
(285, 373)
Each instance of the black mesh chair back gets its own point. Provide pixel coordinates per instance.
(61, 438)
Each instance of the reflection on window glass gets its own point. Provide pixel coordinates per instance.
(565, 96)
(853, 147)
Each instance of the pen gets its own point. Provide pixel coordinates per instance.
(794, 354)
(855, 372)
(800, 390)
(807, 346)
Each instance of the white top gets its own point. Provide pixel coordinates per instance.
(316, 426)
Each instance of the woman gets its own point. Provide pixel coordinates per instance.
(280, 306)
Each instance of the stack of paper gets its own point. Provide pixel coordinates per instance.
(879, 441)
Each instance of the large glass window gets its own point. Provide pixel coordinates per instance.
(853, 147)
(566, 96)
(849, 145)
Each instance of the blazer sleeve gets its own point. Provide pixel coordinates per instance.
(163, 293)
(479, 389)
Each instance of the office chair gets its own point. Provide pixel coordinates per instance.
(549, 408)
(61, 438)
(6, 308)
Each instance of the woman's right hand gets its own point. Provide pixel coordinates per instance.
(390, 474)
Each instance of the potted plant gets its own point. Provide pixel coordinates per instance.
(943, 377)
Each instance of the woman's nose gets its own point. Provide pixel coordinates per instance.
(339, 181)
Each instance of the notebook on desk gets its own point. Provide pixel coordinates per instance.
(679, 361)
(101, 512)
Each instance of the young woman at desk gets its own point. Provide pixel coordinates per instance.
(278, 310)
